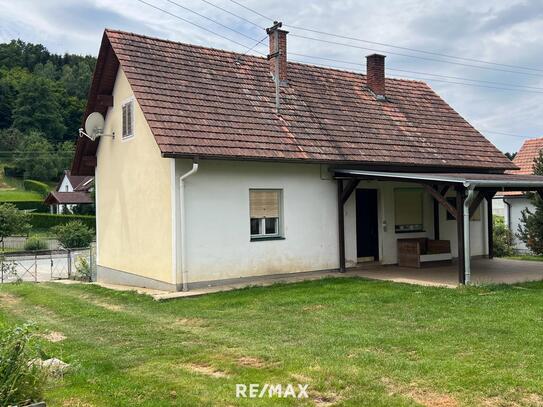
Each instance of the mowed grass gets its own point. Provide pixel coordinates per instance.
(18, 195)
(354, 342)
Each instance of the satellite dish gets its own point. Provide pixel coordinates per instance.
(94, 125)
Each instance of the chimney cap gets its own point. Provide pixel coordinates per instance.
(376, 55)
(276, 25)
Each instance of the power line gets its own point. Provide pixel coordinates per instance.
(194, 24)
(414, 49)
(418, 73)
(413, 56)
(251, 10)
(212, 20)
(397, 47)
(233, 14)
(441, 80)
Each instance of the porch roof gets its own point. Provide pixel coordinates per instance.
(511, 182)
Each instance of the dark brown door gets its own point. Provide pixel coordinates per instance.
(367, 225)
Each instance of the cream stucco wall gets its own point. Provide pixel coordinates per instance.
(217, 210)
(133, 193)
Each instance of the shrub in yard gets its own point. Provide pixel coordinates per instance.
(35, 243)
(21, 381)
(502, 237)
(12, 221)
(36, 186)
(73, 234)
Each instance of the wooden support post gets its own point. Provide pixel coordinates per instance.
(460, 232)
(341, 225)
(436, 219)
(490, 226)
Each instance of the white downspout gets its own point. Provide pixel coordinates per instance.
(467, 244)
(182, 216)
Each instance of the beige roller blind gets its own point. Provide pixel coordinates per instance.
(408, 206)
(264, 204)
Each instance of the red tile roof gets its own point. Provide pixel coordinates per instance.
(204, 102)
(75, 197)
(524, 160)
(526, 156)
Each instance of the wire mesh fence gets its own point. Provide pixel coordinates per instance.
(48, 265)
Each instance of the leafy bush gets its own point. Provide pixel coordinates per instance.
(48, 220)
(37, 206)
(36, 186)
(12, 221)
(21, 381)
(73, 234)
(83, 268)
(502, 237)
(35, 243)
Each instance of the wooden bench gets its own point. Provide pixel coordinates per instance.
(416, 252)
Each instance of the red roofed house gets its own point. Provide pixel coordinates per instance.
(226, 166)
(514, 202)
(72, 190)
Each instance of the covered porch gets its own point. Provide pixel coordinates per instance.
(483, 271)
(468, 191)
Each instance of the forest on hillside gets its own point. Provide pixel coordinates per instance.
(42, 101)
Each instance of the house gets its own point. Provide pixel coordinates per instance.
(72, 190)
(514, 202)
(221, 166)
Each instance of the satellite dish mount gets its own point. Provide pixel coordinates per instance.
(94, 127)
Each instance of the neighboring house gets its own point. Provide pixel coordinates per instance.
(513, 203)
(225, 165)
(72, 190)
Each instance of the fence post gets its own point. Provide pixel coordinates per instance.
(69, 263)
(35, 267)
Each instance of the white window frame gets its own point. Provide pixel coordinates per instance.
(278, 234)
(130, 100)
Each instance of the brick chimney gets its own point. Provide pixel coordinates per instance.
(278, 52)
(375, 74)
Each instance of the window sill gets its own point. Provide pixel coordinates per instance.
(266, 238)
(409, 231)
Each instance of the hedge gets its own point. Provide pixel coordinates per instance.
(47, 220)
(36, 186)
(38, 206)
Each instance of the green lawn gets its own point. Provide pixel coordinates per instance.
(355, 342)
(18, 195)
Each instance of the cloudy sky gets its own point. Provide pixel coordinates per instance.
(484, 57)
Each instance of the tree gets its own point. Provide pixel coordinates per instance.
(10, 140)
(511, 156)
(73, 235)
(37, 107)
(530, 229)
(12, 221)
(7, 101)
(36, 158)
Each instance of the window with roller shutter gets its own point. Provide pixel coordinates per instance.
(265, 213)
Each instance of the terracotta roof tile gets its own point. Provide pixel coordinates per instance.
(526, 156)
(200, 101)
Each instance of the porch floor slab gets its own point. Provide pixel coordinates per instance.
(483, 271)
